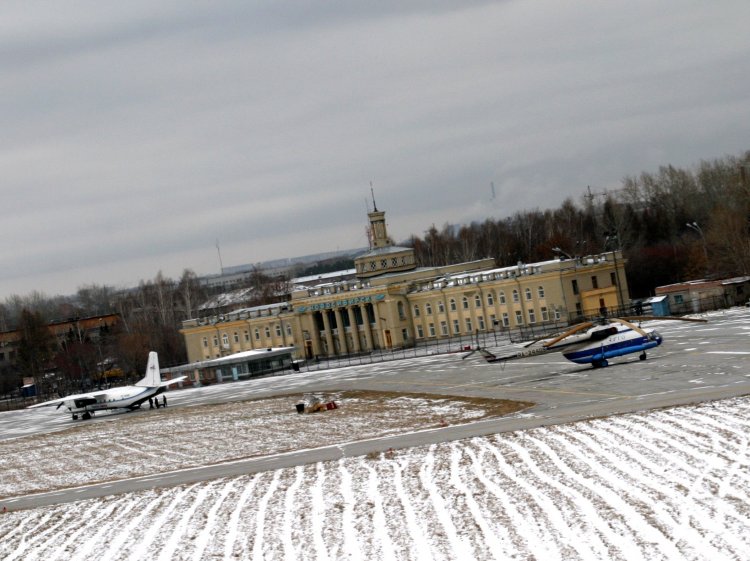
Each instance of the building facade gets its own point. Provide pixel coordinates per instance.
(392, 303)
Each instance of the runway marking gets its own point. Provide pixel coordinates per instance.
(568, 392)
(512, 388)
(728, 352)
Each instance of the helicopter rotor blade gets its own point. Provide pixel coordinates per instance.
(569, 332)
(632, 326)
(650, 318)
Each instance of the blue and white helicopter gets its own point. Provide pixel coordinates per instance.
(595, 342)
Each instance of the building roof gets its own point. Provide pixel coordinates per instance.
(236, 358)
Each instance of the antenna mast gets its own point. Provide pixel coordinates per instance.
(218, 250)
(372, 192)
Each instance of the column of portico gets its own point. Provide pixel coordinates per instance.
(368, 328)
(355, 331)
(378, 327)
(343, 346)
(317, 347)
(328, 334)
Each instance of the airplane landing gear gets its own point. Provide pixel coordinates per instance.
(600, 363)
(86, 416)
(75, 416)
(642, 356)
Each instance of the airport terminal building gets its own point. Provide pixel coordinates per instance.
(391, 303)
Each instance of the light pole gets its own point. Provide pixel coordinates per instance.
(560, 251)
(616, 238)
(694, 226)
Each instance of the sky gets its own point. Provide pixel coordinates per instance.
(135, 135)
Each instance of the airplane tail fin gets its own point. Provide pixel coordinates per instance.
(152, 378)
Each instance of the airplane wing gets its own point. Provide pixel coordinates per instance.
(90, 397)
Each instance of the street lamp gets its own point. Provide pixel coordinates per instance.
(558, 250)
(614, 237)
(695, 227)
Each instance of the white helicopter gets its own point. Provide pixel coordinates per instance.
(596, 342)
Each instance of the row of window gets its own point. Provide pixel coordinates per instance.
(481, 324)
(246, 335)
(478, 301)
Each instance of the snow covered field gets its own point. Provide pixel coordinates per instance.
(671, 484)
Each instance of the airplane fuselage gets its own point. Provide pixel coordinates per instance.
(127, 397)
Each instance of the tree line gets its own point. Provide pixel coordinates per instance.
(673, 224)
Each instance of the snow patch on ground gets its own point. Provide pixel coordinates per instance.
(671, 484)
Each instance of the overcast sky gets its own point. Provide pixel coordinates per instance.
(136, 134)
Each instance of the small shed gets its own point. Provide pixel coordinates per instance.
(659, 305)
(28, 390)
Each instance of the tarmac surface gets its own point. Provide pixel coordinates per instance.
(697, 362)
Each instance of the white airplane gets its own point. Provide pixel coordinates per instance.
(124, 397)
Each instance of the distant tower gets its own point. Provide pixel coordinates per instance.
(383, 257)
(378, 233)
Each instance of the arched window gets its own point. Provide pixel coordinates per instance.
(465, 302)
(501, 295)
(528, 294)
(515, 295)
(477, 301)
(401, 314)
(428, 308)
(540, 291)
(416, 310)
(453, 305)
(490, 299)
